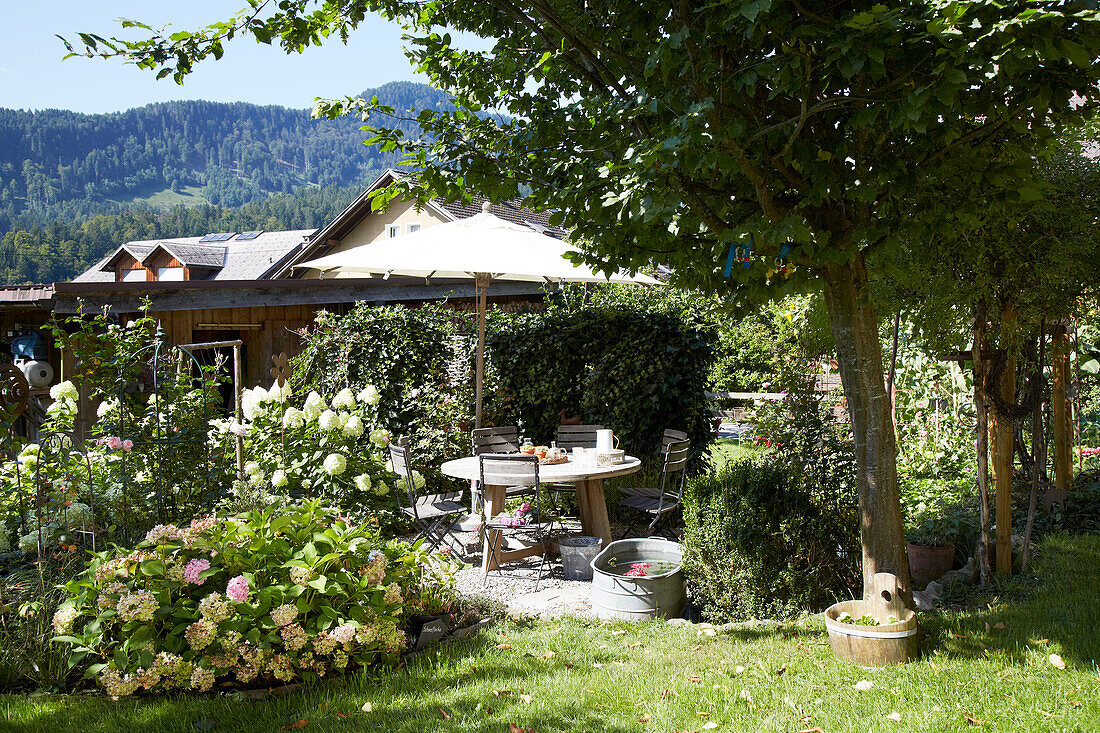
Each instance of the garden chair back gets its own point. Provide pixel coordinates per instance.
(503, 439)
(515, 470)
(661, 501)
(577, 436)
(432, 514)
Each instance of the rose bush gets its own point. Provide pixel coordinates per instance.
(276, 595)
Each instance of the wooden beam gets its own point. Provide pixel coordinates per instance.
(328, 291)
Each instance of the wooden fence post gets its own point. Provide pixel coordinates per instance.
(1062, 431)
(1003, 436)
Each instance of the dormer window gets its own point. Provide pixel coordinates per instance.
(133, 276)
(169, 273)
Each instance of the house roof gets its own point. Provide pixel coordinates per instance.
(252, 259)
(26, 296)
(339, 227)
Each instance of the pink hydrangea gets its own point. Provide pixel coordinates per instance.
(237, 589)
(238, 429)
(194, 567)
(114, 443)
(127, 445)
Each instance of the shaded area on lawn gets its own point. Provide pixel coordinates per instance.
(578, 676)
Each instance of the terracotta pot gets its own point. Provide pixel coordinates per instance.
(929, 563)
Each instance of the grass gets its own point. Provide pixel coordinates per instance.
(585, 676)
(165, 197)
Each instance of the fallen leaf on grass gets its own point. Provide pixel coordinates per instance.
(697, 647)
(746, 696)
(296, 724)
(664, 694)
(710, 725)
(445, 714)
(617, 633)
(781, 670)
(637, 643)
(525, 698)
(367, 707)
(972, 720)
(597, 665)
(645, 718)
(547, 655)
(864, 685)
(895, 716)
(513, 728)
(1000, 626)
(502, 693)
(815, 729)
(342, 716)
(694, 678)
(503, 646)
(1057, 661)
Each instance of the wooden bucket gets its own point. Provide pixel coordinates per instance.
(875, 646)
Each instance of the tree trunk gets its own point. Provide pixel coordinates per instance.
(982, 447)
(1003, 449)
(859, 355)
(1062, 419)
(1036, 453)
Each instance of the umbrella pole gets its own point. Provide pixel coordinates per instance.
(482, 284)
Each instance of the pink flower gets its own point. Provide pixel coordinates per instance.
(114, 443)
(639, 565)
(127, 445)
(525, 507)
(194, 567)
(238, 429)
(634, 573)
(237, 589)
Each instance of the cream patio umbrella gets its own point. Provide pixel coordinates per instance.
(483, 247)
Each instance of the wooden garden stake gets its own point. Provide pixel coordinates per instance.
(1062, 430)
(982, 446)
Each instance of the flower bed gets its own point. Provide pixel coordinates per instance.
(263, 597)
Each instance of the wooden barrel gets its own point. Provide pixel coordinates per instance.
(875, 646)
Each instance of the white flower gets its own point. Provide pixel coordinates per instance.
(381, 488)
(353, 428)
(335, 464)
(380, 437)
(5, 543)
(293, 418)
(329, 420)
(279, 479)
(363, 482)
(250, 406)
(260, 394)
(313, 406)
(369, 395)
(344, 400)
(106, 406)
(63, 619)
(279, 394)
(418, 480)
(64, 391)
(252, 468)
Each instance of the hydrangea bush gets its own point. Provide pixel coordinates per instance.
(330, 450)
(257, 598)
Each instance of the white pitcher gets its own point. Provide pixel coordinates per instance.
(606, 441)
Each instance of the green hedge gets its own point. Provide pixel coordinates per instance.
(635, 372)
(761, 542)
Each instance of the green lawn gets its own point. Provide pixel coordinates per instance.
(166, 197)
(578, 676)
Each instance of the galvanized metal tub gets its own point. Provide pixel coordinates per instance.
(638, 599)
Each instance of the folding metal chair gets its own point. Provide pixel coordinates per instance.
(503, 439)
(660, 502)
(570, 437)
(514, 470)
(432, 514)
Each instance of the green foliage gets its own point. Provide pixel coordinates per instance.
(633, 370)
(763, 541)
(277, 594)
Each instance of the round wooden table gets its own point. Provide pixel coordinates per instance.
(590, 498)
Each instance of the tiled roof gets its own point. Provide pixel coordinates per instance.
(511, 211)
(26, 295)
(252, 259)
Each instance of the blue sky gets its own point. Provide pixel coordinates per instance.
(33, 76)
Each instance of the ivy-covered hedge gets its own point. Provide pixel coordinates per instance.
(633, 371)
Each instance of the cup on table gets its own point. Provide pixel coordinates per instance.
(578, 455)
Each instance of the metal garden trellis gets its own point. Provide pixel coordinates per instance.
(161, 367)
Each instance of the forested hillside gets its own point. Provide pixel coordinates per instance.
(74, 185)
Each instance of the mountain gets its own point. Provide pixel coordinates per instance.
(73, 186)
(56, 164)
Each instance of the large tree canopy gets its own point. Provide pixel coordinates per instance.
(669, 131)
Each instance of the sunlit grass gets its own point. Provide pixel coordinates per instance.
(586, 676)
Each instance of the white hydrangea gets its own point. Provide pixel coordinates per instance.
(105, 407)
(344, 400)
(250, 404)
(329, 420)
(279, 394)
(369, 395)
(64, 391)
(252, 468)
(29, 542)
(335, 464)
(380, 437)
(381, 488)
(363, 482)
(279, 479)
(418, 480)
(5, 543)
(78, 513)
(293, 418)
(314, 405)
(353, 427)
